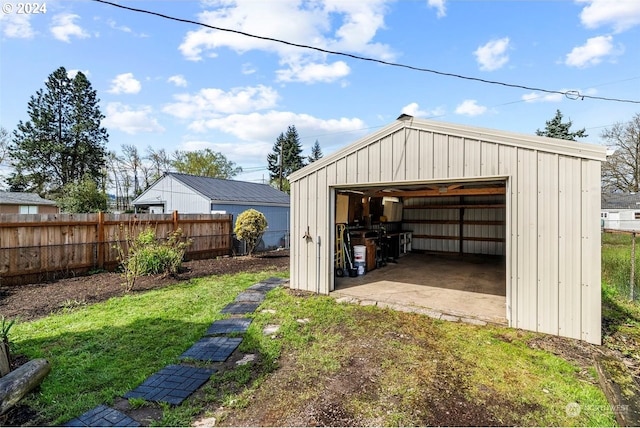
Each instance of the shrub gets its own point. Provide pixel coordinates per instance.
(250, 227)
(147, 255)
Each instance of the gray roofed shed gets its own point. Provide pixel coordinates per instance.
(23, 198)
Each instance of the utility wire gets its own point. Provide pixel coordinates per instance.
(572, 95)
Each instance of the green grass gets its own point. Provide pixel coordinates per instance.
(101, 351)
(392, 364)
(616, 264)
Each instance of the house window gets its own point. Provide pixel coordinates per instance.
(28, 209)
(604, 215)
(636, 215)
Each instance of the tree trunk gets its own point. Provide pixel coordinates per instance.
(19, 382)
(5, 360)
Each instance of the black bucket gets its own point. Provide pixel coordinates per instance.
(353, 272)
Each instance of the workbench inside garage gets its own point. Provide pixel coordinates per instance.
(398, 243)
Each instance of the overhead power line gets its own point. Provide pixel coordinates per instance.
(571, 94)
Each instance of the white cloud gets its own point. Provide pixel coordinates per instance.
(329, 24)
(115, 26)
(266, 126)
(248, 68)
(439, 5)
(178, 80)
(64, 27)
(621, 15)
(413, 109)
(129, 120)
(210, 102)
(492, 55)
(591, 53)
(311, 73)
(470, 108)
(125, 83)
(16, 26)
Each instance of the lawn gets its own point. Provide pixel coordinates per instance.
(327, 364)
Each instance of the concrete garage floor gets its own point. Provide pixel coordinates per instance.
(449, 287)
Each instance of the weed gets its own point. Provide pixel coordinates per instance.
(137, 402)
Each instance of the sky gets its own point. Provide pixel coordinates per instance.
(180, 85)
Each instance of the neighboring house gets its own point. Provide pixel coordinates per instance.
(620, 211)
(26, 203)
(190, 194)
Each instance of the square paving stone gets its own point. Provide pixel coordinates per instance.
(240, 308)
(103, 416)
(262, 287)
(250, 296)
(212, 348)
(231, 325)
(172, 384)
(274, 280)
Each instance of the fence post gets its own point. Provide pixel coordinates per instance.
(101, 243)
(175, 220)
(633, 266)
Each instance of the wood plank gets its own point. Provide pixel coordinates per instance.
(467, 222)
(448, 192)
(452, 206)
(454, 238)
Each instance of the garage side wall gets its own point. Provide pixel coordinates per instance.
(552, 232)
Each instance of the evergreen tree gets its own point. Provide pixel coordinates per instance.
(556, 129)
(63, 141)
(288, 145)
(316, 152)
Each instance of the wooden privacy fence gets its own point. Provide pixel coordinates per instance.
(36, 247)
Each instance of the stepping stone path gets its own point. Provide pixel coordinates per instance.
(212, 349)
(102, 416)
(174, 383)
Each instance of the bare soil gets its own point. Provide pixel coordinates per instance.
(28, 302)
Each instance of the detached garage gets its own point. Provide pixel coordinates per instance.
(432, 199)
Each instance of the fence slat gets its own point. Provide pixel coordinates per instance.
(35, 247)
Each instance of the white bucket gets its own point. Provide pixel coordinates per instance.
(359, 253)
(360, 267)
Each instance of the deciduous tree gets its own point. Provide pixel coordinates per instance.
(621, 171)
(206, 163)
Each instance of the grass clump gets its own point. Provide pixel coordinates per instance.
(145, 254)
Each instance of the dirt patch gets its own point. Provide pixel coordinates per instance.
(28, 302)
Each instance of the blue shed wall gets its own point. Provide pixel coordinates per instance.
(277, 234)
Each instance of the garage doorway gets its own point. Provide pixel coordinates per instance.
(436, 246)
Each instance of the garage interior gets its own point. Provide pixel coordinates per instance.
(439, 246)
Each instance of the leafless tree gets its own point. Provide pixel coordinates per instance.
(160, 162)
(621, 171)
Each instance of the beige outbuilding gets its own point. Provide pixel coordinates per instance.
(525, 204)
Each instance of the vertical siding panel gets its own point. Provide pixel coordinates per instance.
(508, 166)
(440, 156)
(341, 171)
(374, 162)
(331, 174)
(399, 152)
(590, 262)
(412, 158)
(324, 231)
(569, 246)
(548, 243)
(426, 155)
(363, 166)
(489, 162)
(527, 241)
(386, 156)
(312, 222)
(472, 158)
(352, 168)
(297, 205)
(456, 157)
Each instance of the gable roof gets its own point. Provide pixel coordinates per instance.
(23, 198)
(621, 201)
(533, 142)
(222, 190)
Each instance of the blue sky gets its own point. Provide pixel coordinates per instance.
(173, 85)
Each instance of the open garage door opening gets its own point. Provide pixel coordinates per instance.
(438, 246)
